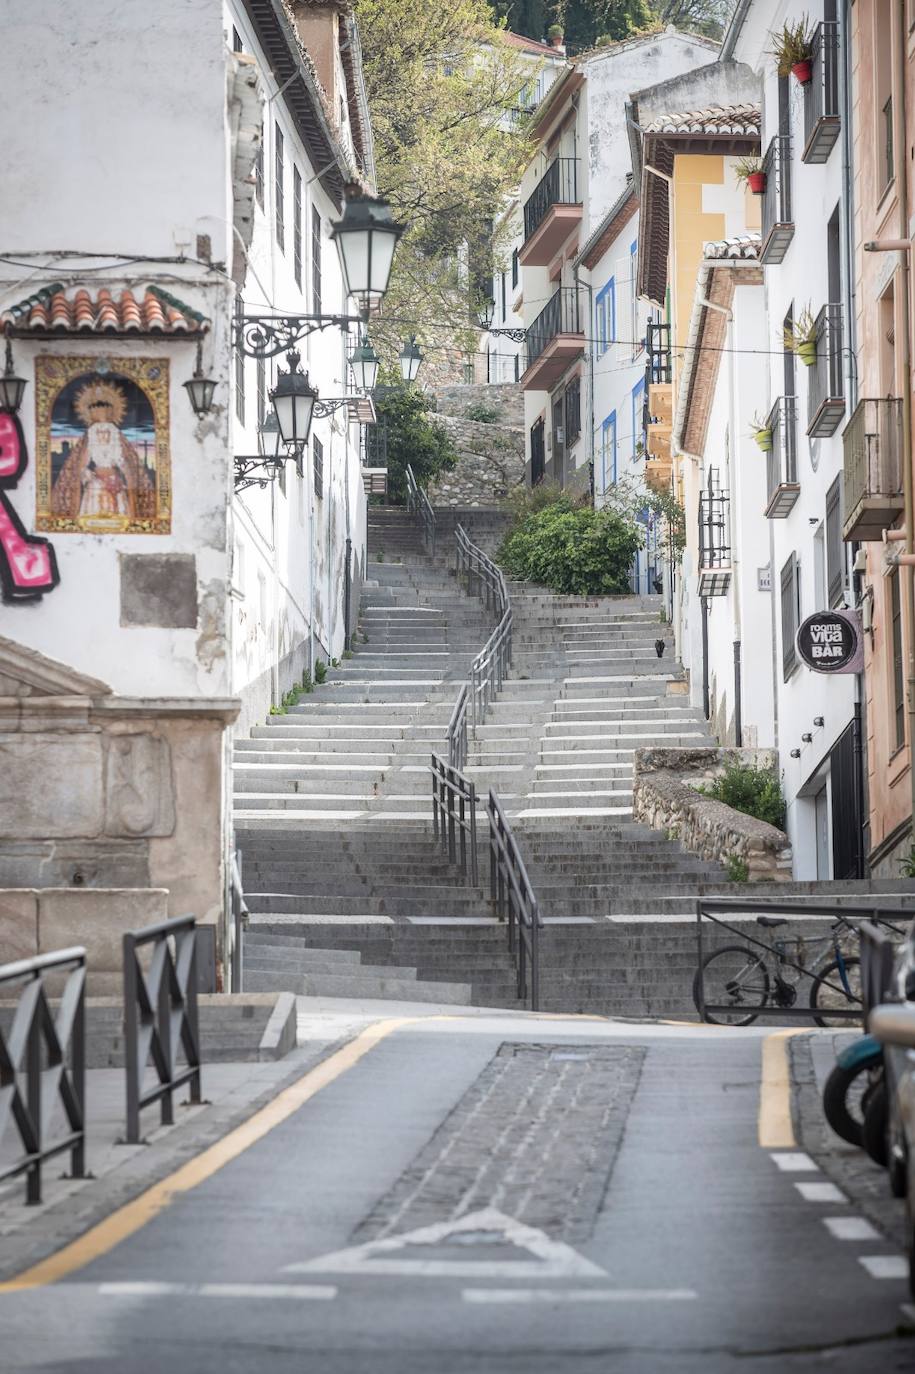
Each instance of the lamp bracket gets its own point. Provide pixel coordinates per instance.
(256, 471)
(516, 335)
(264, 336)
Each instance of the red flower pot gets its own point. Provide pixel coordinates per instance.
(802, 71)
(757, 182)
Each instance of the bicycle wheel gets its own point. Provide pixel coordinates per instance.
(827, 992)
(845, 1097)
(734, 977)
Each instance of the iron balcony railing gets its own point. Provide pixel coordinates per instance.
(825, 377)
(557, 186)
(781, 461)
(714, 542)
(560, 315)
(374, 445)
(777, 216)
(872, 448)
(658, 368)
(822, 118)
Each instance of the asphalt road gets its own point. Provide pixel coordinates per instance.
(576, 1196)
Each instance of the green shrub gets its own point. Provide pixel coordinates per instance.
(737, 869)
(572, 549)
(307, 684)
(482, 413)
(320, 672)
(754, 791)
(907, 865)
(412, 438)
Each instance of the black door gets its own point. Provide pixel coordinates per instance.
(847, 840)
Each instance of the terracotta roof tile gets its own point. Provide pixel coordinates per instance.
(53, 311)
(744, 246)
(518, 40)
(743, 120)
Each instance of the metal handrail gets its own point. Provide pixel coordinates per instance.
(454, 816)
(878, 955)
(239, 921)
(418, 504)
(35, 1049)
(485, 579)
(158, 1003)
(457, 730)
(514, 900)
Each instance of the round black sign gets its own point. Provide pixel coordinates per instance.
(827, 641)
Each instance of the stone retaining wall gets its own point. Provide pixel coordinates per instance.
(490, 463)
(665, 797)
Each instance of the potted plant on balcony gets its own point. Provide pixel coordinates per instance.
(792, 48)
(761, 431)
(554, 35)
(750, 170)
(800, 337)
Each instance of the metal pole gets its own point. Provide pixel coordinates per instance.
(33, 1096)
(131, 1039)
(78, 1079)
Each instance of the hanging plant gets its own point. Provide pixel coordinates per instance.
(792, 48)
(761, 431)
(750, 170)
(800, 337)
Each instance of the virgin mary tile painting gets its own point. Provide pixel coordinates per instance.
(103, 462)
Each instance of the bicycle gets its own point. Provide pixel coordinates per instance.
(745, 979)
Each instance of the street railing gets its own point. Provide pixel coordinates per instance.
(514, 901)
(418, 504)
(483, 577)
(457, 730)
(239, 921)
(454, 816)
(878, 953)
(43, 1060)
(160, 1018)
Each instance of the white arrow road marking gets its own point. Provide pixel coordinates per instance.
(550, 1259)
(532, 1295)
(300, 1291)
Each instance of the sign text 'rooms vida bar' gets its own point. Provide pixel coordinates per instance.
(832, 642)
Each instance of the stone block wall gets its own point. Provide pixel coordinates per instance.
(665, 797)
(507, 399)
(490, 463)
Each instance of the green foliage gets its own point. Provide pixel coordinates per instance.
(572, 549)
(347, 653)
(792, 43)
(482, 413)
(907, 865)
(587, 23)
(277, 710)
(320, 672)
(754, 791)
(412, 438)
(307, 684)
(737, 869)
(630, 499)
(379, 556)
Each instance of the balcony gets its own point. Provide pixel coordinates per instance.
(825, 381)
(658, 473)
(872, 445)
(553, 341)
(373, 445)
(714, 540)
(551, 213)
(777, 221)
(822, 120)
(781, 461)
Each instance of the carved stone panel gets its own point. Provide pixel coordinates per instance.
(139, 793)
(50, 786)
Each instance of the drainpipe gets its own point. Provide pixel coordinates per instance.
(706, 709)
(590, 290)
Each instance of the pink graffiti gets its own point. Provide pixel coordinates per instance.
(28, 565)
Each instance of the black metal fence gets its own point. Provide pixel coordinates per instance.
(483, 577)
(825, 379)
(514, 901)
(658, 365)
(560, 315)
(777, 213)
(160, 1018)
(557, 186)
(418, 504)
(454, 816)
(43, 1062)
(458, 729)
(822, 117)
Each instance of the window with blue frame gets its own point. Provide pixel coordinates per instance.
(608, 452)
(638, 409)
(634, 300)
(605, 316)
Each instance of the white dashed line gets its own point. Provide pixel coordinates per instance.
(820, 1192)
(302, 1292)
(885, 1266)
(851, 1228)
(562, 1295)
(794, 1162)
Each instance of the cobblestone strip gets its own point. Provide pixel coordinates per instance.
(535, 1136)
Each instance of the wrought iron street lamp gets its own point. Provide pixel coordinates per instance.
(366, 237)
(410, 359)
(364, 363)
(485, 316)
(261, 468)
(293, 400)
(200, 388)
(12, 388)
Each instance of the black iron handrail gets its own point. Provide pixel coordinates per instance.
(486, 579)
(821, 92)
(160, 1015)
(418, 504)
(454, 816)
(514, 900)
(560, 315)
(853, 916)
(557, 186)
(35, 1049)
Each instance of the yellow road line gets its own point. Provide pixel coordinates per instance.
(776, 1129)
(134, 1215)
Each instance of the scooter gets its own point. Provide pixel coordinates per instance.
(856, 1108)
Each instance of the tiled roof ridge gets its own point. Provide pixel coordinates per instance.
(729, 119)
(118, 311)
(746, 245)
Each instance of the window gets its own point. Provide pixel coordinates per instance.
(278, 203)
(895, 645)
(888, 142)
(315, 260)
(835, 548)
(572, 411)
(605, 317)
(504, 310)
(239, 361)
(638, 414)
(514, 268)
(237, 44)
(297, 225)
(261, 392)
(884, 23)
(791, 609)
(608, 452)
(538, 452)
(517, 367)
(637, 343)
(259, 174)
(317, 453)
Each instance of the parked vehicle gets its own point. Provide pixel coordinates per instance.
(852, 1085)
(894, 1026)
